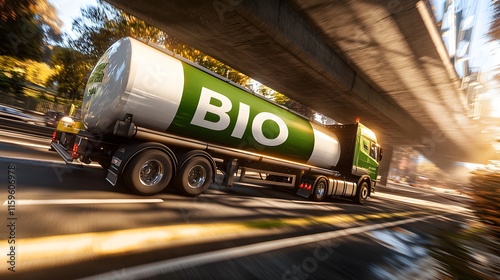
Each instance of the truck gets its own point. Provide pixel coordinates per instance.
(154, 119)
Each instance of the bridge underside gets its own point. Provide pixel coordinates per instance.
(380, 60)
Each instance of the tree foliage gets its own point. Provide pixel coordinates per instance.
(429, 170)
(293, 105)
(485, 201)
(495, 26)
(98, 28)
(14, 73)
(26, 26)
(71, 71)
(37, 73)
(281, 99)
(404, 164)
(102, 25)
(174, 45)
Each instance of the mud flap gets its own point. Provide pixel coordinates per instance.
(304, 192)
(305, 187)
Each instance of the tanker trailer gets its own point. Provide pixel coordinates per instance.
(153, 119)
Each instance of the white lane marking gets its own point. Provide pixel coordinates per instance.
(168, 266)
(28, 144)
(42, 161)
(82, 201)
(24, 136)
(426, 203)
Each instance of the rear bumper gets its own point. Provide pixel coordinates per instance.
(65, 155)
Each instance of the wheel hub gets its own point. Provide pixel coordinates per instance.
(320, 190)
(197, 176)
(151, 172)
(364, 192)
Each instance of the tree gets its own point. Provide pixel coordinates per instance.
(430, 170)
(30, 71)
(495, 26)
(71, 71)
(37, 73)
(293, 105)
(174, 45)
(26, 26)
(46, 17)
(404, 163)
(100, 26)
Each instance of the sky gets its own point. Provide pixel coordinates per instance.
(70, 9)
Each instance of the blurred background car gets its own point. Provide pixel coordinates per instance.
(52, 117)
(14, 114)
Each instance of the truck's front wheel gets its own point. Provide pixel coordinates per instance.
(194, 177)
(363, 192)
(320, 188)
(148, 173)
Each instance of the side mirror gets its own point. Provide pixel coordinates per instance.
(380, 151)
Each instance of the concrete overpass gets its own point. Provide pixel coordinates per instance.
(380, 60)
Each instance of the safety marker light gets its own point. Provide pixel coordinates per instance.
(74, 153)
(305, 186)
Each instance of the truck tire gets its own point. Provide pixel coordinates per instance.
(148, 173)
(320, 189)
(362, 192)
(194, 176)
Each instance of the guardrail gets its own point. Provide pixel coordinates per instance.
(23, 127)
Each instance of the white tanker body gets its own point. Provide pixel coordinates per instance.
(147, 111)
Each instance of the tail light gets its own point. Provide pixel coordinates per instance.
(74, 153)
(54, 136)
(306, 186)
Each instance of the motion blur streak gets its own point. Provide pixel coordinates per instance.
(30, 145)
(40, 251)
(428, 204)
(163, 267)
(82, 201)
(84, 246)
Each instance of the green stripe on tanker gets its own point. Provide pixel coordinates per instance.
(216, 111)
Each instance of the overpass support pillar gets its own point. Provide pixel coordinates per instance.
(383, 169)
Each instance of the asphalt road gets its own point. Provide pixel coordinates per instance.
(69, 223)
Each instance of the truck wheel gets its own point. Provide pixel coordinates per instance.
(320, 188)
(362, 192)
(194, 177)
(148, 173)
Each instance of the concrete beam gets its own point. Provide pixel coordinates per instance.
(344, 59)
